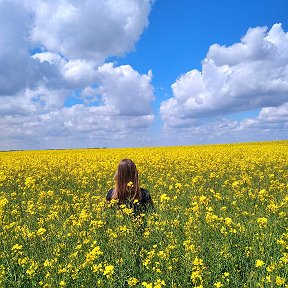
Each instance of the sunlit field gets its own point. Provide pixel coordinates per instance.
(220, 218)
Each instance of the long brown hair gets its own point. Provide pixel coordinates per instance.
(126, 182)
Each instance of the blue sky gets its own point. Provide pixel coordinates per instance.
(181, 32)
(135, 73)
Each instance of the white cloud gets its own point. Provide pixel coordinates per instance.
(245, 76)
(270, 124)
(52, 50)
(49, 57)
(269, 118)
(125, 89)
(18, 70)
(14, 55)
(91, 30)
(30, 101)
(79, 73)
(122, 113)
(74, 39)
(76, 126)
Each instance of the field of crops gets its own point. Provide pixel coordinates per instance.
(220, 218)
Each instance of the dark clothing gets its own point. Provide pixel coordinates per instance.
(145, 200)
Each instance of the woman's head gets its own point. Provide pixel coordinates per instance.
(126, 181)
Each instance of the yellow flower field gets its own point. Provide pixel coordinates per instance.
(220, 218)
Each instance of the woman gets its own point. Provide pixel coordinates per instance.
(127, 190)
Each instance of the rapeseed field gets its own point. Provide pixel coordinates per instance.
(219, 219)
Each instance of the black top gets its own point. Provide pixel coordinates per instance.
(144, 202)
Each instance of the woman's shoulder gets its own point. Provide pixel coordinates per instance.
(109, 195)
(144, 191)
(145, 194)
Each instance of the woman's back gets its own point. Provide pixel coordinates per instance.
(145, 200)
(127, 190)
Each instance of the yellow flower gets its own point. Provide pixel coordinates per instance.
(32, 269)
(130, 184)
(202, 199)
(218, 284)
(197, 261)
(228, 221)
(92, 255)
(97, 267)
(147, 285)
(108, 271)
(259, 263)
(127, 211)
(23, 261)
(41, 231)
(29, 182)
(159, 283)
(164, 197)
(262, 221)
(279, 281)
(3, 202)
(62, 283)
(2, 176)
(132, 281)
(16, 247)
(226, 274)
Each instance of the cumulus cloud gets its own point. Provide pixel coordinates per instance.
(51, 51)
(270, 124)
(76, 126)
(122, 112)
(40, 100)
(125, 89)
(90, 30)
(41, 41)
(245, 76)
(14, 56)
(269, 118)
(78, 73)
